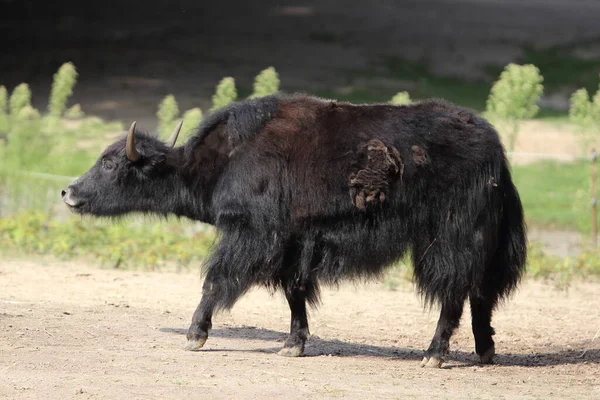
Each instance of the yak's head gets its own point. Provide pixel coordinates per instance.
(134, 174)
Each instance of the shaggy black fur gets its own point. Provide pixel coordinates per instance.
(306, 191)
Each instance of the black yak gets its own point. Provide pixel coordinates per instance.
(305, 191)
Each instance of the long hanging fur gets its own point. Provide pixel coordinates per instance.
(306, 202)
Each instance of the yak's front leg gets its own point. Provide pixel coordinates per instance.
(294, 345)
(202, 319)
(218, 293)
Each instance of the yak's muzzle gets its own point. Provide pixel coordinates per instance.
(69, 198)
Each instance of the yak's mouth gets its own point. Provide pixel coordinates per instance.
(71, 201)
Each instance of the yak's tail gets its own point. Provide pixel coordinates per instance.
(509, 261)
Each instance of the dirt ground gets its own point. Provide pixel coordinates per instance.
(71, 330)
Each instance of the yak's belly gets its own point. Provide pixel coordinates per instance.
(355, 248)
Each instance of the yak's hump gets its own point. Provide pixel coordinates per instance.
(244, 119)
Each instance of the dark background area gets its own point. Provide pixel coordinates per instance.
(131, 53)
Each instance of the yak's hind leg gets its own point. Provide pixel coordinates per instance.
(442, 276)
(481, 316)
(294, 345)
(440, 344)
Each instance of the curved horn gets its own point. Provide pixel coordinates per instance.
(173, 138)
(132, 153)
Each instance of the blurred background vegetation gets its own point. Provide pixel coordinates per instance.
(81, 72)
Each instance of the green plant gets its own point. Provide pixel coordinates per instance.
(74, 112)
(514, 97)
(19, 99)
(191, 120)
(585, 114)
(37, 144)
(401, 98)
(562, 270)
(62, 88)
(588, 263)
(168, 110)
(28, 113)
(225, 94)
(266, 83)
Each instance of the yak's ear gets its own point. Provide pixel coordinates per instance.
(150, 164)
(157, 160)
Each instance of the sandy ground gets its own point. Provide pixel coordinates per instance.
(70, 330)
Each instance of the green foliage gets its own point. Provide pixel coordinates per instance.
(117, 245)
(514, 97)
(587, 263)
(42, 144)
(562, 270)
(580, 110)
(225, 94)
(401, 98)
(74, 112)
(19, 99)
(585, 114)
(168, 111)
(62, 88)
(266, 83)
(28, 113)
(191, 120)
(516, 93)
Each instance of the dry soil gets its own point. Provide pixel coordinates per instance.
(71, 330)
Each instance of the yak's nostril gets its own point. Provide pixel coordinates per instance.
(62, 193)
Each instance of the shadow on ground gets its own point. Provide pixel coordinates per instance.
(579, 353)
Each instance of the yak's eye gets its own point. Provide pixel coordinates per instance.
(107, 164)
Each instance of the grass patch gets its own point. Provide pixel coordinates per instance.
(555, 195)
(562, 271)
(129, 243)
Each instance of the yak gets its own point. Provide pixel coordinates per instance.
(305, 192)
